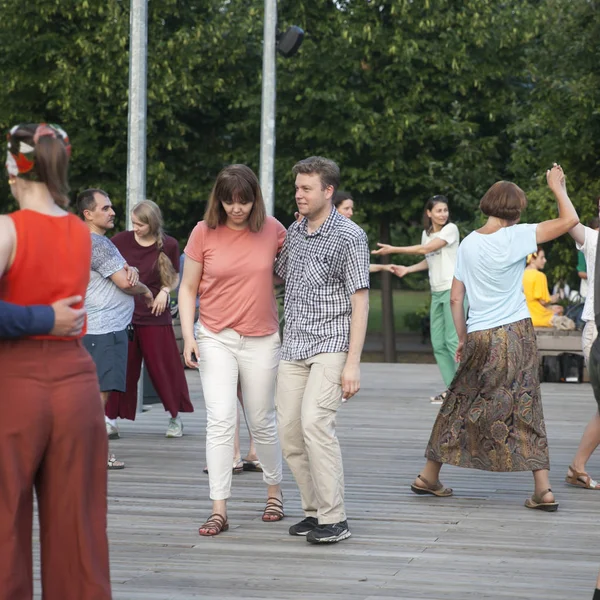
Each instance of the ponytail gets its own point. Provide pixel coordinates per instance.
(40, 152)
(51, 165)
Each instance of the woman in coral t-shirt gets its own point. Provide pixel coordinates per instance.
(52, 434)
(229, 263)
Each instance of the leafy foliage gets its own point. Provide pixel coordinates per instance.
(410, 98)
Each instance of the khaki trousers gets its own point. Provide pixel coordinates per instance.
(309, 393)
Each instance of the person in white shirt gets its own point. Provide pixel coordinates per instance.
(439, 245)
(586, 239)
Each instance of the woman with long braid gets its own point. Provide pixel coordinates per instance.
(156, 256)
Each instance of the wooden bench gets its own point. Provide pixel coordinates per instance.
(552, 342)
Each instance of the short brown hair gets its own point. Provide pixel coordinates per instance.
(504, 200)
(236, 181)
(326, 169)
(87, 200)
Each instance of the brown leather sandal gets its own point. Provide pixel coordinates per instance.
(581, 479)
(214, 525)
(436, 489)
(274, 508)
(536, 502)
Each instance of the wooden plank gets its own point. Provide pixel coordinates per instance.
(482, 543)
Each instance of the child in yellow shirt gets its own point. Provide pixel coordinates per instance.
(535, 286)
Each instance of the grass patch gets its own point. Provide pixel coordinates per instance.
(404, 302)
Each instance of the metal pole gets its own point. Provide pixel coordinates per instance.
(136, 142)
(136, 135)
(267, 126)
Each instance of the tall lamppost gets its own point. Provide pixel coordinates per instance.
(136, 134)
(136, 129)
(287, 44)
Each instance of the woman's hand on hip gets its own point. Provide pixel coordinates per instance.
(191, 353)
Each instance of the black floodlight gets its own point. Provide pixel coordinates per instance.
(289, 42)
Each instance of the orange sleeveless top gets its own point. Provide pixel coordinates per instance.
(52, 261)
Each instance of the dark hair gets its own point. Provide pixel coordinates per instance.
(326, 169)
(535, 254)
(340, 197)
(427, 223)
(504, 200)
(594, 223)
(236, 181)
(87, 200)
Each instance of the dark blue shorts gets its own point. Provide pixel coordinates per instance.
(109, 352)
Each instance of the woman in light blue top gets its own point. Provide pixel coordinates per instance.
(492, 416)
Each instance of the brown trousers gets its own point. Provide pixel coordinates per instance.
(53, 440)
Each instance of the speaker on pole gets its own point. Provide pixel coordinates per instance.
(289, 42)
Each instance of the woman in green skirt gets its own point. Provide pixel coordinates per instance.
(439, 245)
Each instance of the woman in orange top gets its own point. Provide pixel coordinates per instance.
(229, 262)
(52, 434)
(535, 286)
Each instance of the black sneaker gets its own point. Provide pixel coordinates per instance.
(304, 526)
(329, 534)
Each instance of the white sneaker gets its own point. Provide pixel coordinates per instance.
(439, 399)
(112, 431)
(175, 428)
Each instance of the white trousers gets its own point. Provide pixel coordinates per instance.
(224, 357)
(588, 337)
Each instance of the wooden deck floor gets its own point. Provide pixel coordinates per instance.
(482, 543)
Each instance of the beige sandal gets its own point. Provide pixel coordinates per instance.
(114, 464)
(433, 490)
(535, 502)
(581, 479)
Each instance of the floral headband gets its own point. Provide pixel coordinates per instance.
(22, 139)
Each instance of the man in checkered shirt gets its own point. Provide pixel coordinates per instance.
(325, 264)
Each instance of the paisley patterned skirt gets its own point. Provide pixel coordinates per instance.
(492, 416)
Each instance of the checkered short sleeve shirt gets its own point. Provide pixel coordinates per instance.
(321, 271)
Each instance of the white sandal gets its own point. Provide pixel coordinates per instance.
(114, 464)
(439, 399)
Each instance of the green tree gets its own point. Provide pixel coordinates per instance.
(559, 120)
(67, 61)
